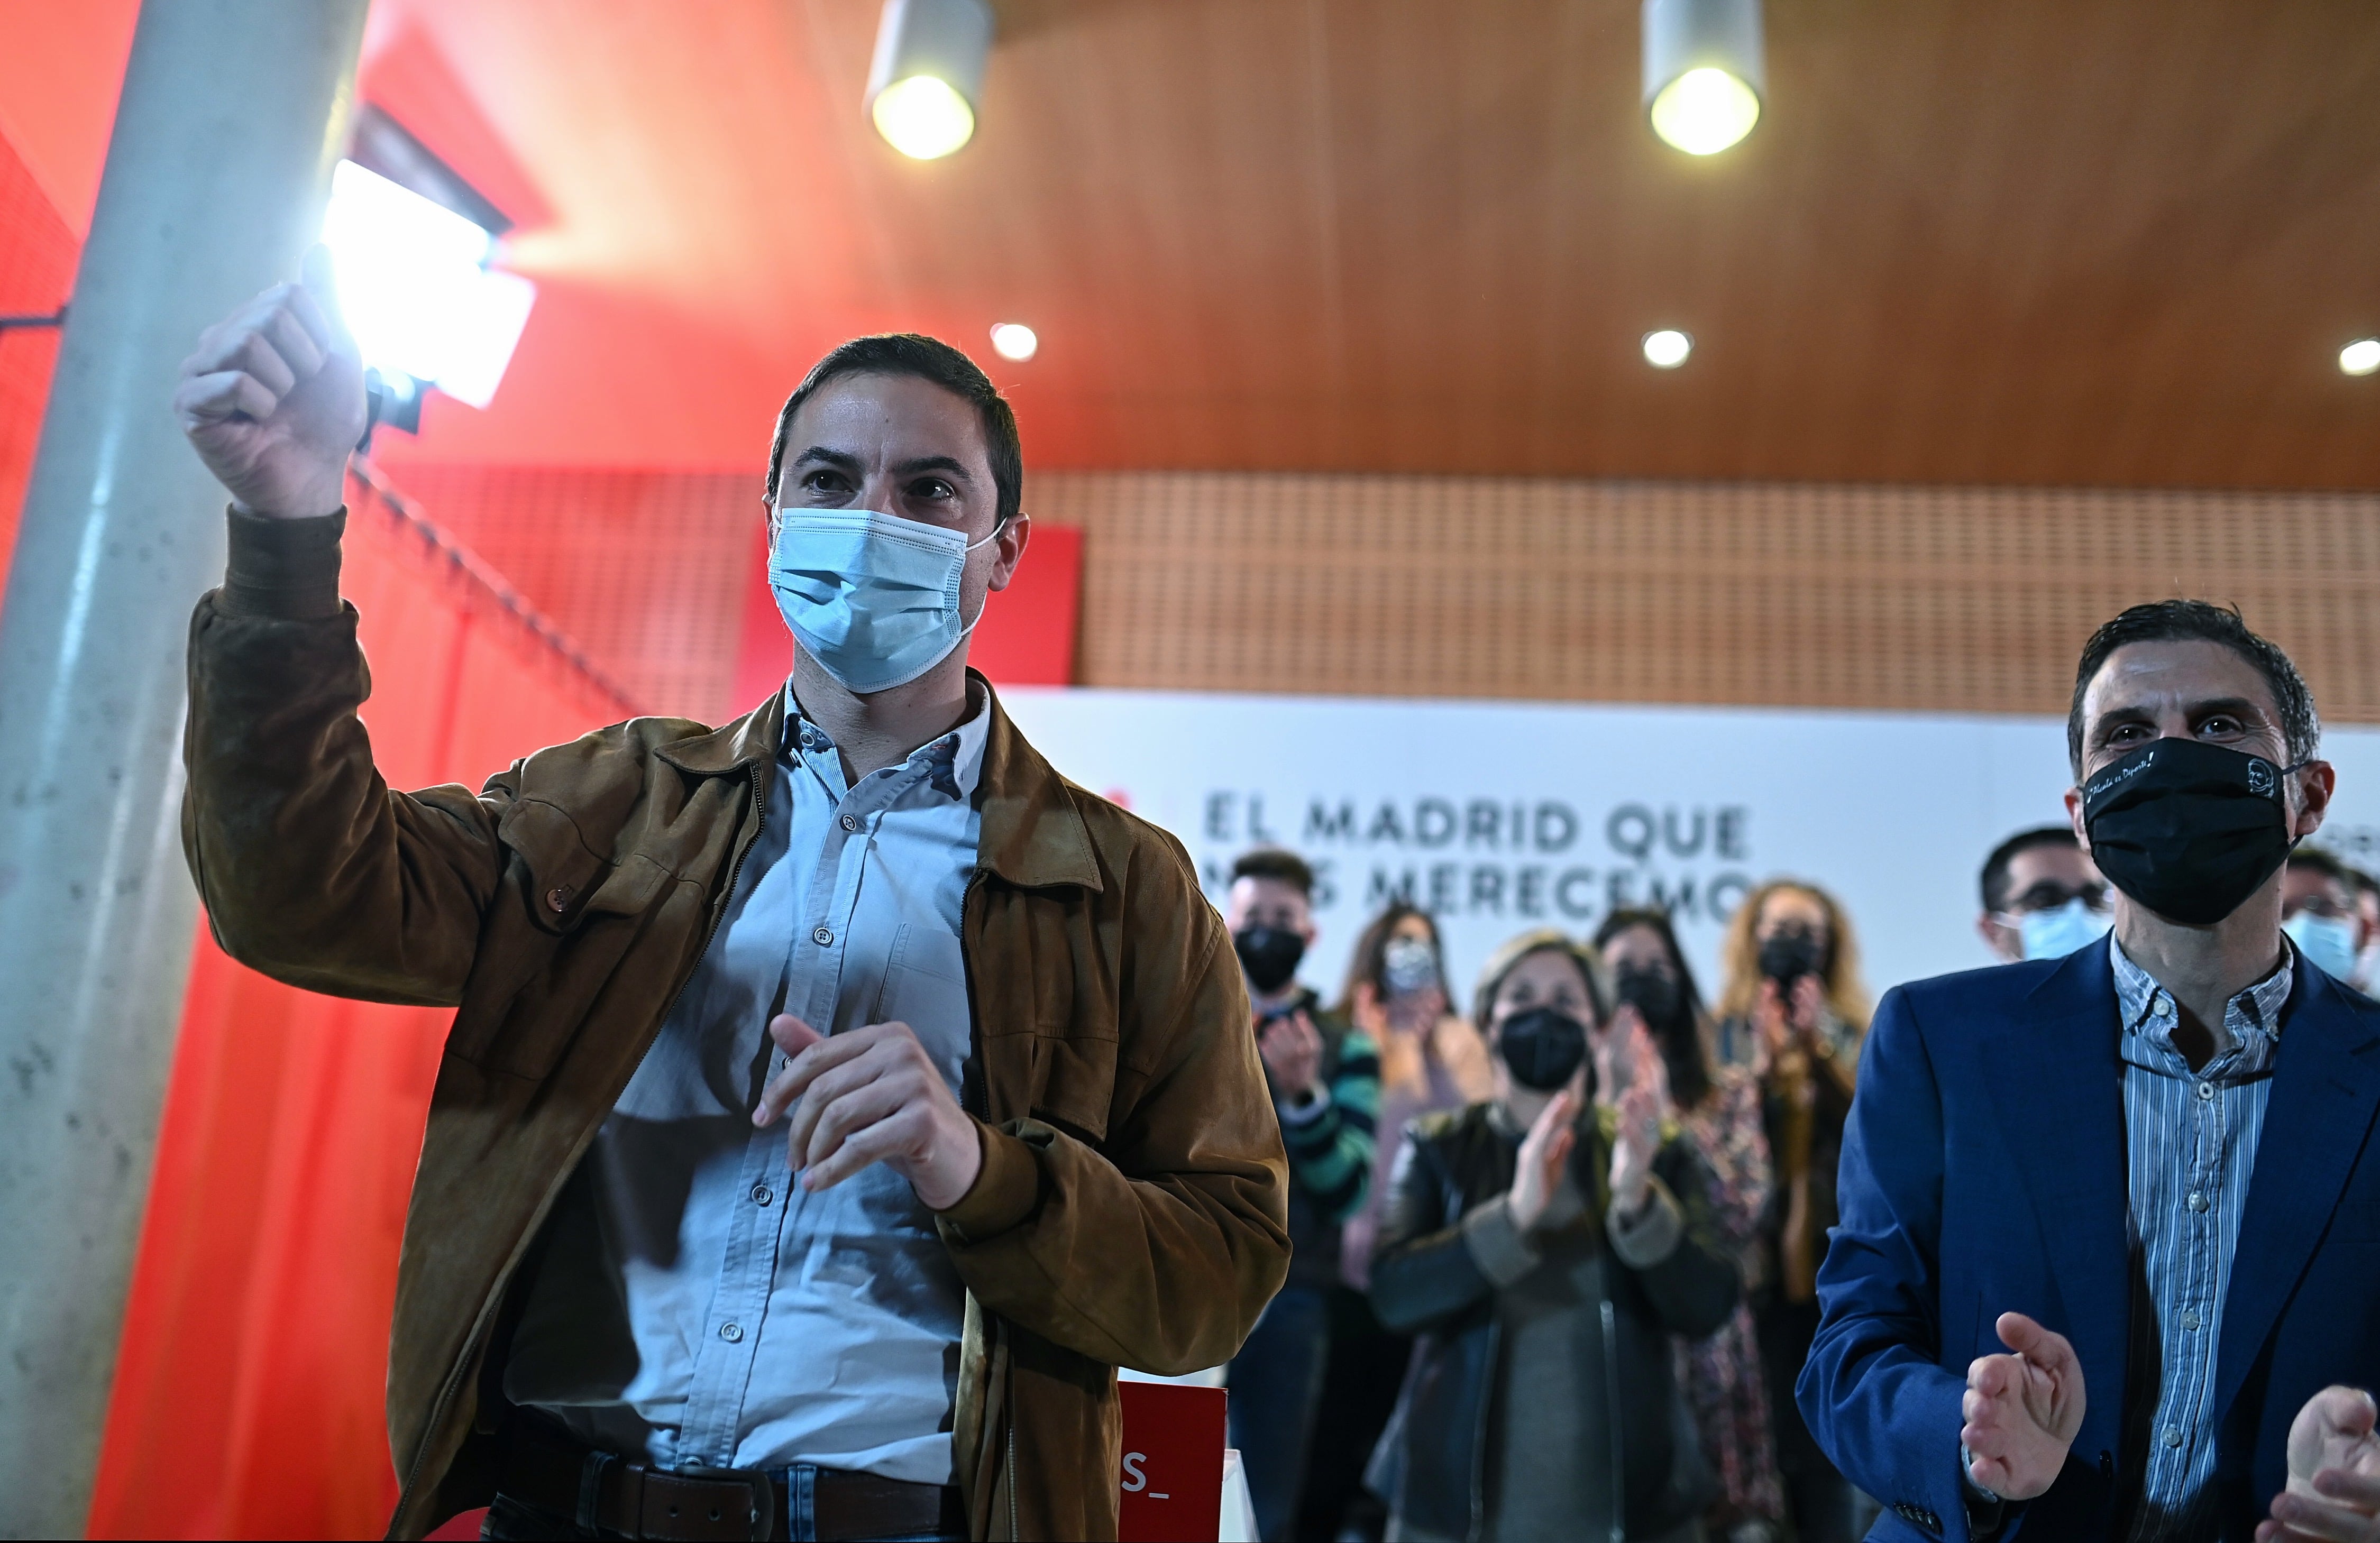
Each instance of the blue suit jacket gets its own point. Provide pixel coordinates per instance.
(1983, 1172)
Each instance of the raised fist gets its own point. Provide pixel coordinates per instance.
(272, 399)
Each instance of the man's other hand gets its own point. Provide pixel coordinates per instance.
(870, 1096)
(1292, 1048)
(2334, 1489)
(2022, 1410)
(272, 399)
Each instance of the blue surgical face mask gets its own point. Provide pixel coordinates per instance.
(2055, 934)
(874, 599)
(2329, 942)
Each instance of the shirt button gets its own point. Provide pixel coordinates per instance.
(2205, 1092)
(558, 897)
(822, 936)
(851, 822)
(2172, 1433)
(2196, 1201)
(2190, 1320)
(733, 1334)
(760, 1197)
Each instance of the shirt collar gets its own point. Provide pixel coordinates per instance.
(954, 763)
(2252, 1019)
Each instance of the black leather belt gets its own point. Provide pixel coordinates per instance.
(545, 1469)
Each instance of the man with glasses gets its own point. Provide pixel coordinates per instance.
(2043, 897)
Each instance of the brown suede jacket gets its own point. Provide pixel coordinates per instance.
(1131, 1206)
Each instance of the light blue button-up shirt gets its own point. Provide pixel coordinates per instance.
(2192, 1141)
(695, 1306)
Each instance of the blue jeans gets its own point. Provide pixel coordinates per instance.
(512, 1521)
(1276, 1386)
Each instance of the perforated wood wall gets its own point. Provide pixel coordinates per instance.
(1946, 598)
(1912, 597)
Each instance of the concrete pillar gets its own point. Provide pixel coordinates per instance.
(232, 116)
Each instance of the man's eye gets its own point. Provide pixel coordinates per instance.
(934, 486)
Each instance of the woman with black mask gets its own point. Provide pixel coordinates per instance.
(1720, 1108)
(1545, 1248)
(1795, 1011)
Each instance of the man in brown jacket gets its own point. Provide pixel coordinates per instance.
(835, 1097)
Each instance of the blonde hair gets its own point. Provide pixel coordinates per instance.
(1541, 940)
(1847, 995)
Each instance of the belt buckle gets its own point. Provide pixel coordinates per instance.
(763, 1513)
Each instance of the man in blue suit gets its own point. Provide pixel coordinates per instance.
(2111, 1223)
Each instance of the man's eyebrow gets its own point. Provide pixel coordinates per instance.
(2134, 712)
(820, 455)
(956, 466)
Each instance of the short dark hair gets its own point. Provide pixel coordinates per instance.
(1995, 867)
(2328, 865)
(2178, 621)
(1276, 862)
(924, 358)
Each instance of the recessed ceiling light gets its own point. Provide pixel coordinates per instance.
(1013, 340)
(2361, 357)
(1667, 348)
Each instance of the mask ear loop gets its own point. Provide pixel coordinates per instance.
(997, 527)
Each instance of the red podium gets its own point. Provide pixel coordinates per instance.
(1172, 1478)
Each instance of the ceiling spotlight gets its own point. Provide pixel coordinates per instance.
(1705, 71)
(2361, 357)
(928, 75)
(1667, 348)
(1013, 340)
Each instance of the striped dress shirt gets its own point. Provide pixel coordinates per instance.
(2192, 1140)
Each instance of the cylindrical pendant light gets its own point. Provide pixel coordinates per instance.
(1705, 71)
(928, 75)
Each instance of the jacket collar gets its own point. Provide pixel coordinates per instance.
(1032, 835)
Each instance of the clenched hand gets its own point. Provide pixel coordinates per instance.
(870, 1096)
(272, 399)
(2334, 1489)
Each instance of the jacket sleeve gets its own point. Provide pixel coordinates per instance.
(1875, 1397)
(1689, 1275)
(1157, 1248)
(1427, 1265)
(311, 869)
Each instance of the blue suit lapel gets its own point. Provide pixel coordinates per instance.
(2054, 1079)
(2325, 1090)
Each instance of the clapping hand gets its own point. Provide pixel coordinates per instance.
(2334, 1489)
(1543, 1152)
(2022, 1410)
(1292, 1048)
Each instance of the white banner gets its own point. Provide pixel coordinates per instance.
(1503, 816)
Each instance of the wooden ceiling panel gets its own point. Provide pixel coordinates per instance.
(2025, 241)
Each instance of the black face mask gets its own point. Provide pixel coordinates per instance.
(1653, 992)
(1788, 955)
(1269, 955)
(2188, 829)
(1543, 1047)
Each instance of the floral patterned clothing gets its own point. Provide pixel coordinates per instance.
(1721, 1375)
